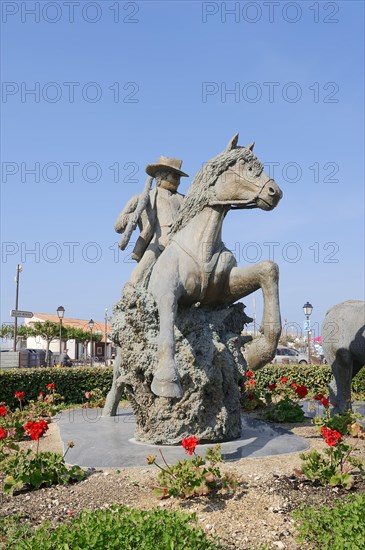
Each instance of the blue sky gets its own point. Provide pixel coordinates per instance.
(153, 78)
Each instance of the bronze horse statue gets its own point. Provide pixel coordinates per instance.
(197, 267)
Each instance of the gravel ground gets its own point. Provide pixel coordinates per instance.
(257, 515)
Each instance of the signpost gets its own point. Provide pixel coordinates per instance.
(19, 313)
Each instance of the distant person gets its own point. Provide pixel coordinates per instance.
(65, 359)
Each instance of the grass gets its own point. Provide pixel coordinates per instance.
(116, 528)
(341, 527)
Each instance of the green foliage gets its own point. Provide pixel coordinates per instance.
(72, 383)
(333, 468)
(95, 398)
(342, 423)
(121, 528)
(285, 410)
(315, 377)
(47, 330)
(341, 527)
(23, 332)
(336, 466)
(12, 529)
(358, 383)
(193, 477)
(25, 468)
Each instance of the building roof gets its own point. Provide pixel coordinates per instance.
(69, 322)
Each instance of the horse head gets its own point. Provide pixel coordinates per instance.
(243, 182)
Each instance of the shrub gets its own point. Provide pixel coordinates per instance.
(335, 466)
(190, 478)
(122, 528)
(341, 527)
(25, 468)
(72, 383)
(315, 377)
(285, 410)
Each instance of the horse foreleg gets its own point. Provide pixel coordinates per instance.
(166, 380)
(116, 391)
(340, 387)
(246, 280)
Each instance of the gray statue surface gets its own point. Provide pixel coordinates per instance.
(186, 283)
(343, 341)
(154, 211)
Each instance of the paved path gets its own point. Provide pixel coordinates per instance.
(108, 442)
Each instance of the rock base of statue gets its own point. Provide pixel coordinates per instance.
(209, 360)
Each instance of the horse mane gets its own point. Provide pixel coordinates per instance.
(201, 188)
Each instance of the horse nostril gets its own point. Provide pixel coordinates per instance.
(272, 191)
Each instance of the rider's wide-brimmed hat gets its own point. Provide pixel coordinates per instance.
(163, 163)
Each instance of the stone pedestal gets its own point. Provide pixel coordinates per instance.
(209, 361)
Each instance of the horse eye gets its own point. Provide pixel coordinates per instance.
(250, 169)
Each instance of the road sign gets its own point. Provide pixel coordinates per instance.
(307, 326)
(19, 313)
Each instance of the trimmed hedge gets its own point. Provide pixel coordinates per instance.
(72, 383)
(315, 377)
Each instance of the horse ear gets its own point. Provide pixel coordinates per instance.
(233, 142)
(251, 146)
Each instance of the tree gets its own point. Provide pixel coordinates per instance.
(49, 332)
(23, 332)
(84, 336)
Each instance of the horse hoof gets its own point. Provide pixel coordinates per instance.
(165, 388)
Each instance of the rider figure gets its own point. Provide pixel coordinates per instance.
(156, 218)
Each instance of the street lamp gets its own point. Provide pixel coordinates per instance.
(106, 336)
(19, 269)
(60, 313)
(91, 326)
(308, 308)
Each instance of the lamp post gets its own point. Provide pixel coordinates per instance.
(106, 336)
(91, 326)
(308, 308)
(60, 313)
(18, 270)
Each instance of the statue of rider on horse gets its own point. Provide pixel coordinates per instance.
(181, 256)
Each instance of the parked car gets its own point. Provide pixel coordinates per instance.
(290, 355)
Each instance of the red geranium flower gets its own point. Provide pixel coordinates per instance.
(318, 397)
(301, 391)
(325, 402)
(271, 386)
(283, 379)
(36, 429)
(325, 431)
(50, 386)
(189, 444)
(19, 395)
(333, 438)
(252, 382)
(250, 374)
(2, 433)
(3, 410)
(294, 385)
(250, 396)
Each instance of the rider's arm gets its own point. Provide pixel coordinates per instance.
(124, 216)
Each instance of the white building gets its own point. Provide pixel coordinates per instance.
(76, 350)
